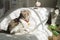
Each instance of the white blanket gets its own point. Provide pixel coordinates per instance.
(39, 16)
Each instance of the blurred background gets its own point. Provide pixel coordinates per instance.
(8, 5)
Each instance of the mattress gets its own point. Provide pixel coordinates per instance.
(38, 15)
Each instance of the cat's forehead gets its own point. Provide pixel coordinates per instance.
(25, 11)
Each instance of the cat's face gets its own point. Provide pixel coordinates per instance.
(26, 14)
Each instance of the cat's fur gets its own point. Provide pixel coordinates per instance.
(12, 27)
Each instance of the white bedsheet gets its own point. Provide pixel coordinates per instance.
(41, 32)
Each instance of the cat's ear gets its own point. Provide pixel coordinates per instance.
(20, 16)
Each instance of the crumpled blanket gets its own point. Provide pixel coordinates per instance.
(39, 16)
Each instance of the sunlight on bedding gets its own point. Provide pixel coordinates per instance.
(38, 19)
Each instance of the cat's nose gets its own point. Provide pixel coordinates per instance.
(27, 20)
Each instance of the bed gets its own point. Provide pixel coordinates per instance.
(38, 15)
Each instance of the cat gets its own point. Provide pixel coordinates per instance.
(16, 25)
